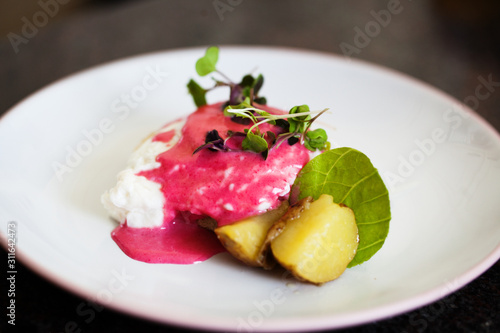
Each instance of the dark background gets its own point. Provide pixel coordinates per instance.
(447, 44)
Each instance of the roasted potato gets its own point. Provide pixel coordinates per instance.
(315, 240)
(244, 239)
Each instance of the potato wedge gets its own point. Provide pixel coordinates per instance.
(292, 213)
(244, 239)
(317, 241)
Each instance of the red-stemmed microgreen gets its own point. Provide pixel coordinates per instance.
(299, 117)
(249, 86)
(241, 108)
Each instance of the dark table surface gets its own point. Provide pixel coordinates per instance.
(446, 44)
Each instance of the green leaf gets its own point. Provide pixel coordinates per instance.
(298, 124)
(265, 114)
(247, 81)
(246, 91)
(250, 84)
(259, 81)
(260, 100)
(243, 105)
(271, 136)
(197, 92)
(349, 176)
(206, 64)
(316, 139)
(254, 143)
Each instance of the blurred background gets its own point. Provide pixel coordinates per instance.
(451, 45)
(13, 11)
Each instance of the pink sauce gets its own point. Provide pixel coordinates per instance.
(165, 136)
(227, 186)
(177, 242)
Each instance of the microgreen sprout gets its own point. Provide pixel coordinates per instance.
(206, 64)
(301, 121)
(266, 117)
(241, 108)
(248, 87)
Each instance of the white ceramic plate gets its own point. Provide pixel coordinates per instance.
(62, 147)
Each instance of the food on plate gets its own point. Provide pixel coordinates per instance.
(246, 178)
(316, 240)
(245, 239)
(351, 179)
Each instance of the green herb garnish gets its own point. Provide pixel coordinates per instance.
(249, 86)
(206, 64)
(350, 178)
(254, 142)
(344, 173)
(197, 92)
(301, 121)
(242, 108)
